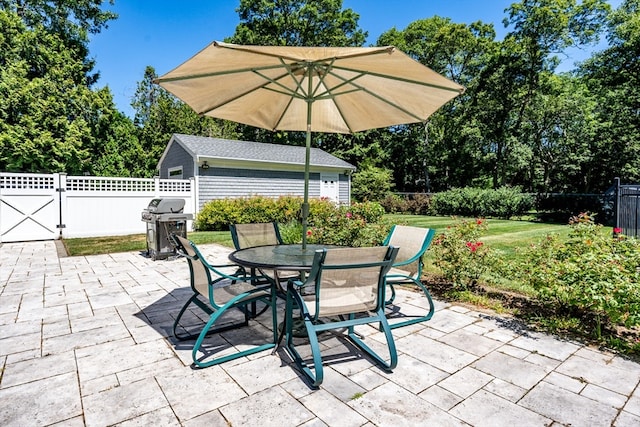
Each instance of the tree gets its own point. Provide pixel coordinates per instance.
(50, 118)
(71, 20)
(542, 29)
(613, 75)
(559, 130)
(443, 152)
(45, 107)
(297, 23)
(371, 184)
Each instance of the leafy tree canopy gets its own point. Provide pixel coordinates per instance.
(297, 23)
(50, 120)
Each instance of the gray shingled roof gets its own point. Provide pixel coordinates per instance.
(217, 148)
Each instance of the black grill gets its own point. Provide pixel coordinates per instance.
(164, 217)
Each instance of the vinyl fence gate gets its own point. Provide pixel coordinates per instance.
(54, 206)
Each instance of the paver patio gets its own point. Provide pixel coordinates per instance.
(86, 341)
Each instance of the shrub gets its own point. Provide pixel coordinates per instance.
(360, 224)
(392, 203)
(371, 184)
(419, 204)
(507, 202)
(291, 232)
(504, 202)
(561, 207)
(460, 253)
(591, 273)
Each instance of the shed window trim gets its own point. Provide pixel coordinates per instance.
(175, 172)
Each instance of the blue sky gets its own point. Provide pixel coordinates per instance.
(164, 33)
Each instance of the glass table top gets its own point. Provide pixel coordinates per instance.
(287, 257)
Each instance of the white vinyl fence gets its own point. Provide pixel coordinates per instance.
(53, 206)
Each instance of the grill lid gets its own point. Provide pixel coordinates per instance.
(166, 206)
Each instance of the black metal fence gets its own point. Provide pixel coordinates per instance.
(628, 208)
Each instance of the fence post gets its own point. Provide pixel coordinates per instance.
(616, 182)
(195, 194)
(60, 180)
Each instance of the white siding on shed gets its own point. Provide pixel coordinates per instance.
(222, 183)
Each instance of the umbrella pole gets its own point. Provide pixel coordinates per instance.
(305, 203)
(307, 161)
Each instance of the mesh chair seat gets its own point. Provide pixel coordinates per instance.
(349, 291)
(261, 234)
(398, 274)
(407, 267)
(223, 292)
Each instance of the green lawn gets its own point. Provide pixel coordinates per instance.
(504, 236)
(135, 242)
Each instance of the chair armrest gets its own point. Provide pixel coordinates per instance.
(409, 261)
(291, 283)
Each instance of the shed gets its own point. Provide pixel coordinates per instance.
(228, 169)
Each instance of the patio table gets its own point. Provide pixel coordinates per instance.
(277, 257)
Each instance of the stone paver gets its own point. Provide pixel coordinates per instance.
(487, 409)
(87, 341)
(567, 407)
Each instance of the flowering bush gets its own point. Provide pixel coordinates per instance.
(590, 273)
(460, 254)
(360, 224)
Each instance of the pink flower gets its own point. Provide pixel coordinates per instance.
(473, 246)
(349, 215)
(617, 230)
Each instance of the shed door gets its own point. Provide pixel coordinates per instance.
(329, 186)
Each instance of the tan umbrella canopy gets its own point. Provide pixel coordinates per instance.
(311, 89)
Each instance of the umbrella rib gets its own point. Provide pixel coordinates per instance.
(267, 80)
(287, 91)
(365, 90)
(400, 79)
(215, 73)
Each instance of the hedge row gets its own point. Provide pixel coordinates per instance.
(504, 202)
(360, 224)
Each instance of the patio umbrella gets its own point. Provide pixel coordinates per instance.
(310, 89)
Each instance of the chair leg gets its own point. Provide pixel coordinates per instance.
(315, 375)
(414, 319)
(385, 327)
(393, 294)
(194, 299)
(206, 330)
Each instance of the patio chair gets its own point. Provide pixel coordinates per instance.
(407, 268)
(261, 234)
(349, 291)
(216, 293)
